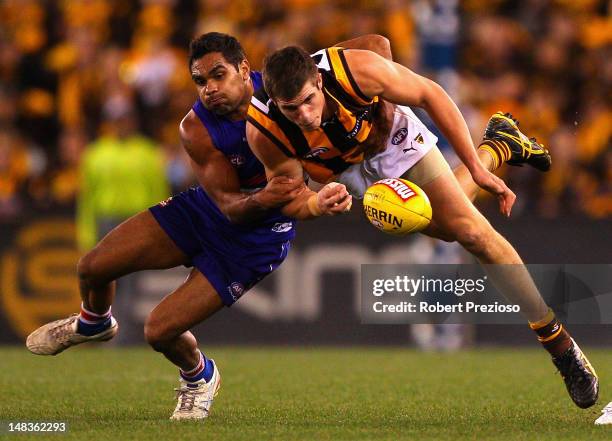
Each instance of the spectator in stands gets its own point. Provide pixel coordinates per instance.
(122, 173)
(63, 63)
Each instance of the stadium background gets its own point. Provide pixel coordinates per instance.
(73, 73)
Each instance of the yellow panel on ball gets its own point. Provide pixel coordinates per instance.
(397, 206)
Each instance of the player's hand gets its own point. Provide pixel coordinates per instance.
(279, 191)
(334, 199)
(491, 183)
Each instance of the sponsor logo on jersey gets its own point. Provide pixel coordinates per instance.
(237, 160)
(236, 289)
(358, 122)
(399, 136)
(419, 139)
(315, 152)
(282, 227)
(402, 190)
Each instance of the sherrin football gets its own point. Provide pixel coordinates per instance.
(397, 206)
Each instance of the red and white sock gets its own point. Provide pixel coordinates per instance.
(88, 317)
(195, 374)
(92, 323)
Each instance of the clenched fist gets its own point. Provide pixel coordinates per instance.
(334, 199)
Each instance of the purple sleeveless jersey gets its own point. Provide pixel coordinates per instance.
(232, 257)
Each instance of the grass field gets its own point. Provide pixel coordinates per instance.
(304, 394)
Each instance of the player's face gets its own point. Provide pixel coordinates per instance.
(306, 109)
(222, 88)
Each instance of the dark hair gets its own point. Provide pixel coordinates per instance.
(286, 71)
(216, 42)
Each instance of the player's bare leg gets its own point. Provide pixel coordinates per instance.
(167, 331)
(137, 244)
(457, 218)
(167, 327)
(464, 178)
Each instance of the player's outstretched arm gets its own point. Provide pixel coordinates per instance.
(220, 180)
(332, 199)
(377, 76)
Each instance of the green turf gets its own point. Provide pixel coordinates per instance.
(304, 394)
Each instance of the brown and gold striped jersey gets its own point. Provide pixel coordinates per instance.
(333, 147)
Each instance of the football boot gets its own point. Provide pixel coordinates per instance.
(523, 150)
(59, 335)
(194, 400)
(579, 376)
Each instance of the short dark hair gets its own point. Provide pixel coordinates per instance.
(286, 71)
(227, 45)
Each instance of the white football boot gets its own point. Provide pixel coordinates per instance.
(194, 403)
(54, 337)
(606, 416)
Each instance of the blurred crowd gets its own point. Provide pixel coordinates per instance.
(79, 74)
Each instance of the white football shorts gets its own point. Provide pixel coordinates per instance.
(409, 142)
